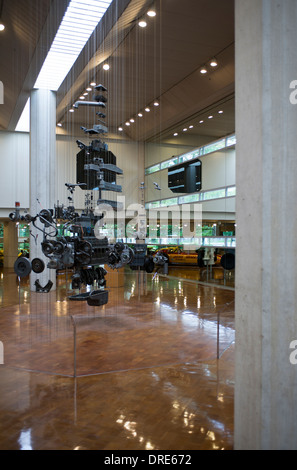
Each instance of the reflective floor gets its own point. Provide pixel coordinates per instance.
(153, 369)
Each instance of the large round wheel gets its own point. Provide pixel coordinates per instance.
(22, 267)
(228, 261)
(38, 266)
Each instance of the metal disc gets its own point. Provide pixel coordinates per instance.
(22, 267)
(38, 266)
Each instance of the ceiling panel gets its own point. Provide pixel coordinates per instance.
(24, 21)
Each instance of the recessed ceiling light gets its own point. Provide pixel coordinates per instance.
(71, 110)
(120, 129)
(106, 67)
(147, 110)
(185, 129)
(210, 117)
(86, 94)
(2, 27)
(142, 24)
(201, 122)
(156, 103)
(221, 112)
(89, 89)
(82, 98)
(203, 70)
(127, 123)
(191, 127)
(151, 13)
(132, 120)
(93, 84)
(59, 124)
(140, 114)
(214, 62)
(176, 134)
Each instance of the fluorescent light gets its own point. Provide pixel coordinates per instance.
(24, 122)
(78, 24)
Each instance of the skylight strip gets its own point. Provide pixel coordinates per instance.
(79, 22)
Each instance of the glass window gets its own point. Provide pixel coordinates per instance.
(189, 198)
(214, 147)
(169, 202)
(153, 169)
(230, 141)
(231, 191)
(169, 163)
(216, 194)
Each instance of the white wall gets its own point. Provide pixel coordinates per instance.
(14, 174)
(218, 171)
(15, 161)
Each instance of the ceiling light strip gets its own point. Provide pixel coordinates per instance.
(70, 41)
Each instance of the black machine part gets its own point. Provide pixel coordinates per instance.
(22, 267)
(38, 265)
(228, 261)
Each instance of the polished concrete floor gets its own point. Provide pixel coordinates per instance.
(151, 370)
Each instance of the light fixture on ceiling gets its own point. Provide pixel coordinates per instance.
(156, 103)
(132, 120)
(71, 110)
(221, 112)
(2, 25)
(152, 12)
(201, 122)
(92, 84)
(140, 115)
(203, 70)
(128, 124)
(147, 110)
(175, 134)
(120, 129)
(59, 124)
(142, 23)
(106, 67)
(210, 117)
(214, 62)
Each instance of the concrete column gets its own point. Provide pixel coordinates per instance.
(266, 271)
(42, 171)
(10, 244)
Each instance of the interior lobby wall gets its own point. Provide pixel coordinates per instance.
(15, 162)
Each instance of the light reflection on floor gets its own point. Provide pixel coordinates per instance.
(160, 385)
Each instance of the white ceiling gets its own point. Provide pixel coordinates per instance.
(160, 62)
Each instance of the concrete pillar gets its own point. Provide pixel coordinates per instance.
(266, 270)
(42, 171)
(10, 244)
